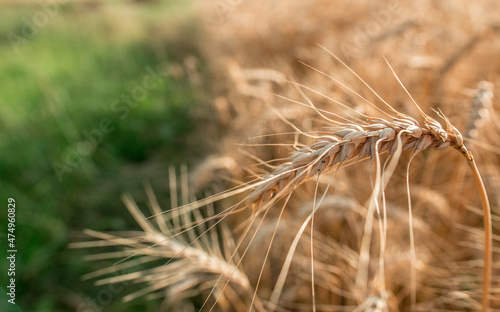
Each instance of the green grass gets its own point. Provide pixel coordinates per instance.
(60, 83)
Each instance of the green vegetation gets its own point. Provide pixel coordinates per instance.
(81, 123)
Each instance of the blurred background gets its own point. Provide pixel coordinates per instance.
(100, 97)
(96, 97)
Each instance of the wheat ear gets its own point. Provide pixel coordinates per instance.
(190, 269)
(352, 142)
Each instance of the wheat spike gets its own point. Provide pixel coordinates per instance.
(481, 106)
(188, 269)
(351, 141)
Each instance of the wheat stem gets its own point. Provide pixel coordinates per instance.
(487, 234)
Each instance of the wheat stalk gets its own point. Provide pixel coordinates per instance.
(346, 144)
(352, 142)
(378, 136)
(194, 264)
(349, 143)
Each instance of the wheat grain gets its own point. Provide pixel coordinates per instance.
(351, 141)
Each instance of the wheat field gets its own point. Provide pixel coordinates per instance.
(339, 181)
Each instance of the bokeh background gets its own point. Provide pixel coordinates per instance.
(100, 97)
(62, 66)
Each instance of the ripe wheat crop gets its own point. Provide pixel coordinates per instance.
(334, 190)
(202, 260)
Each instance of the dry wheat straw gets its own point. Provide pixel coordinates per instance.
(352, 142)
(191, 268)
(347, 144)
